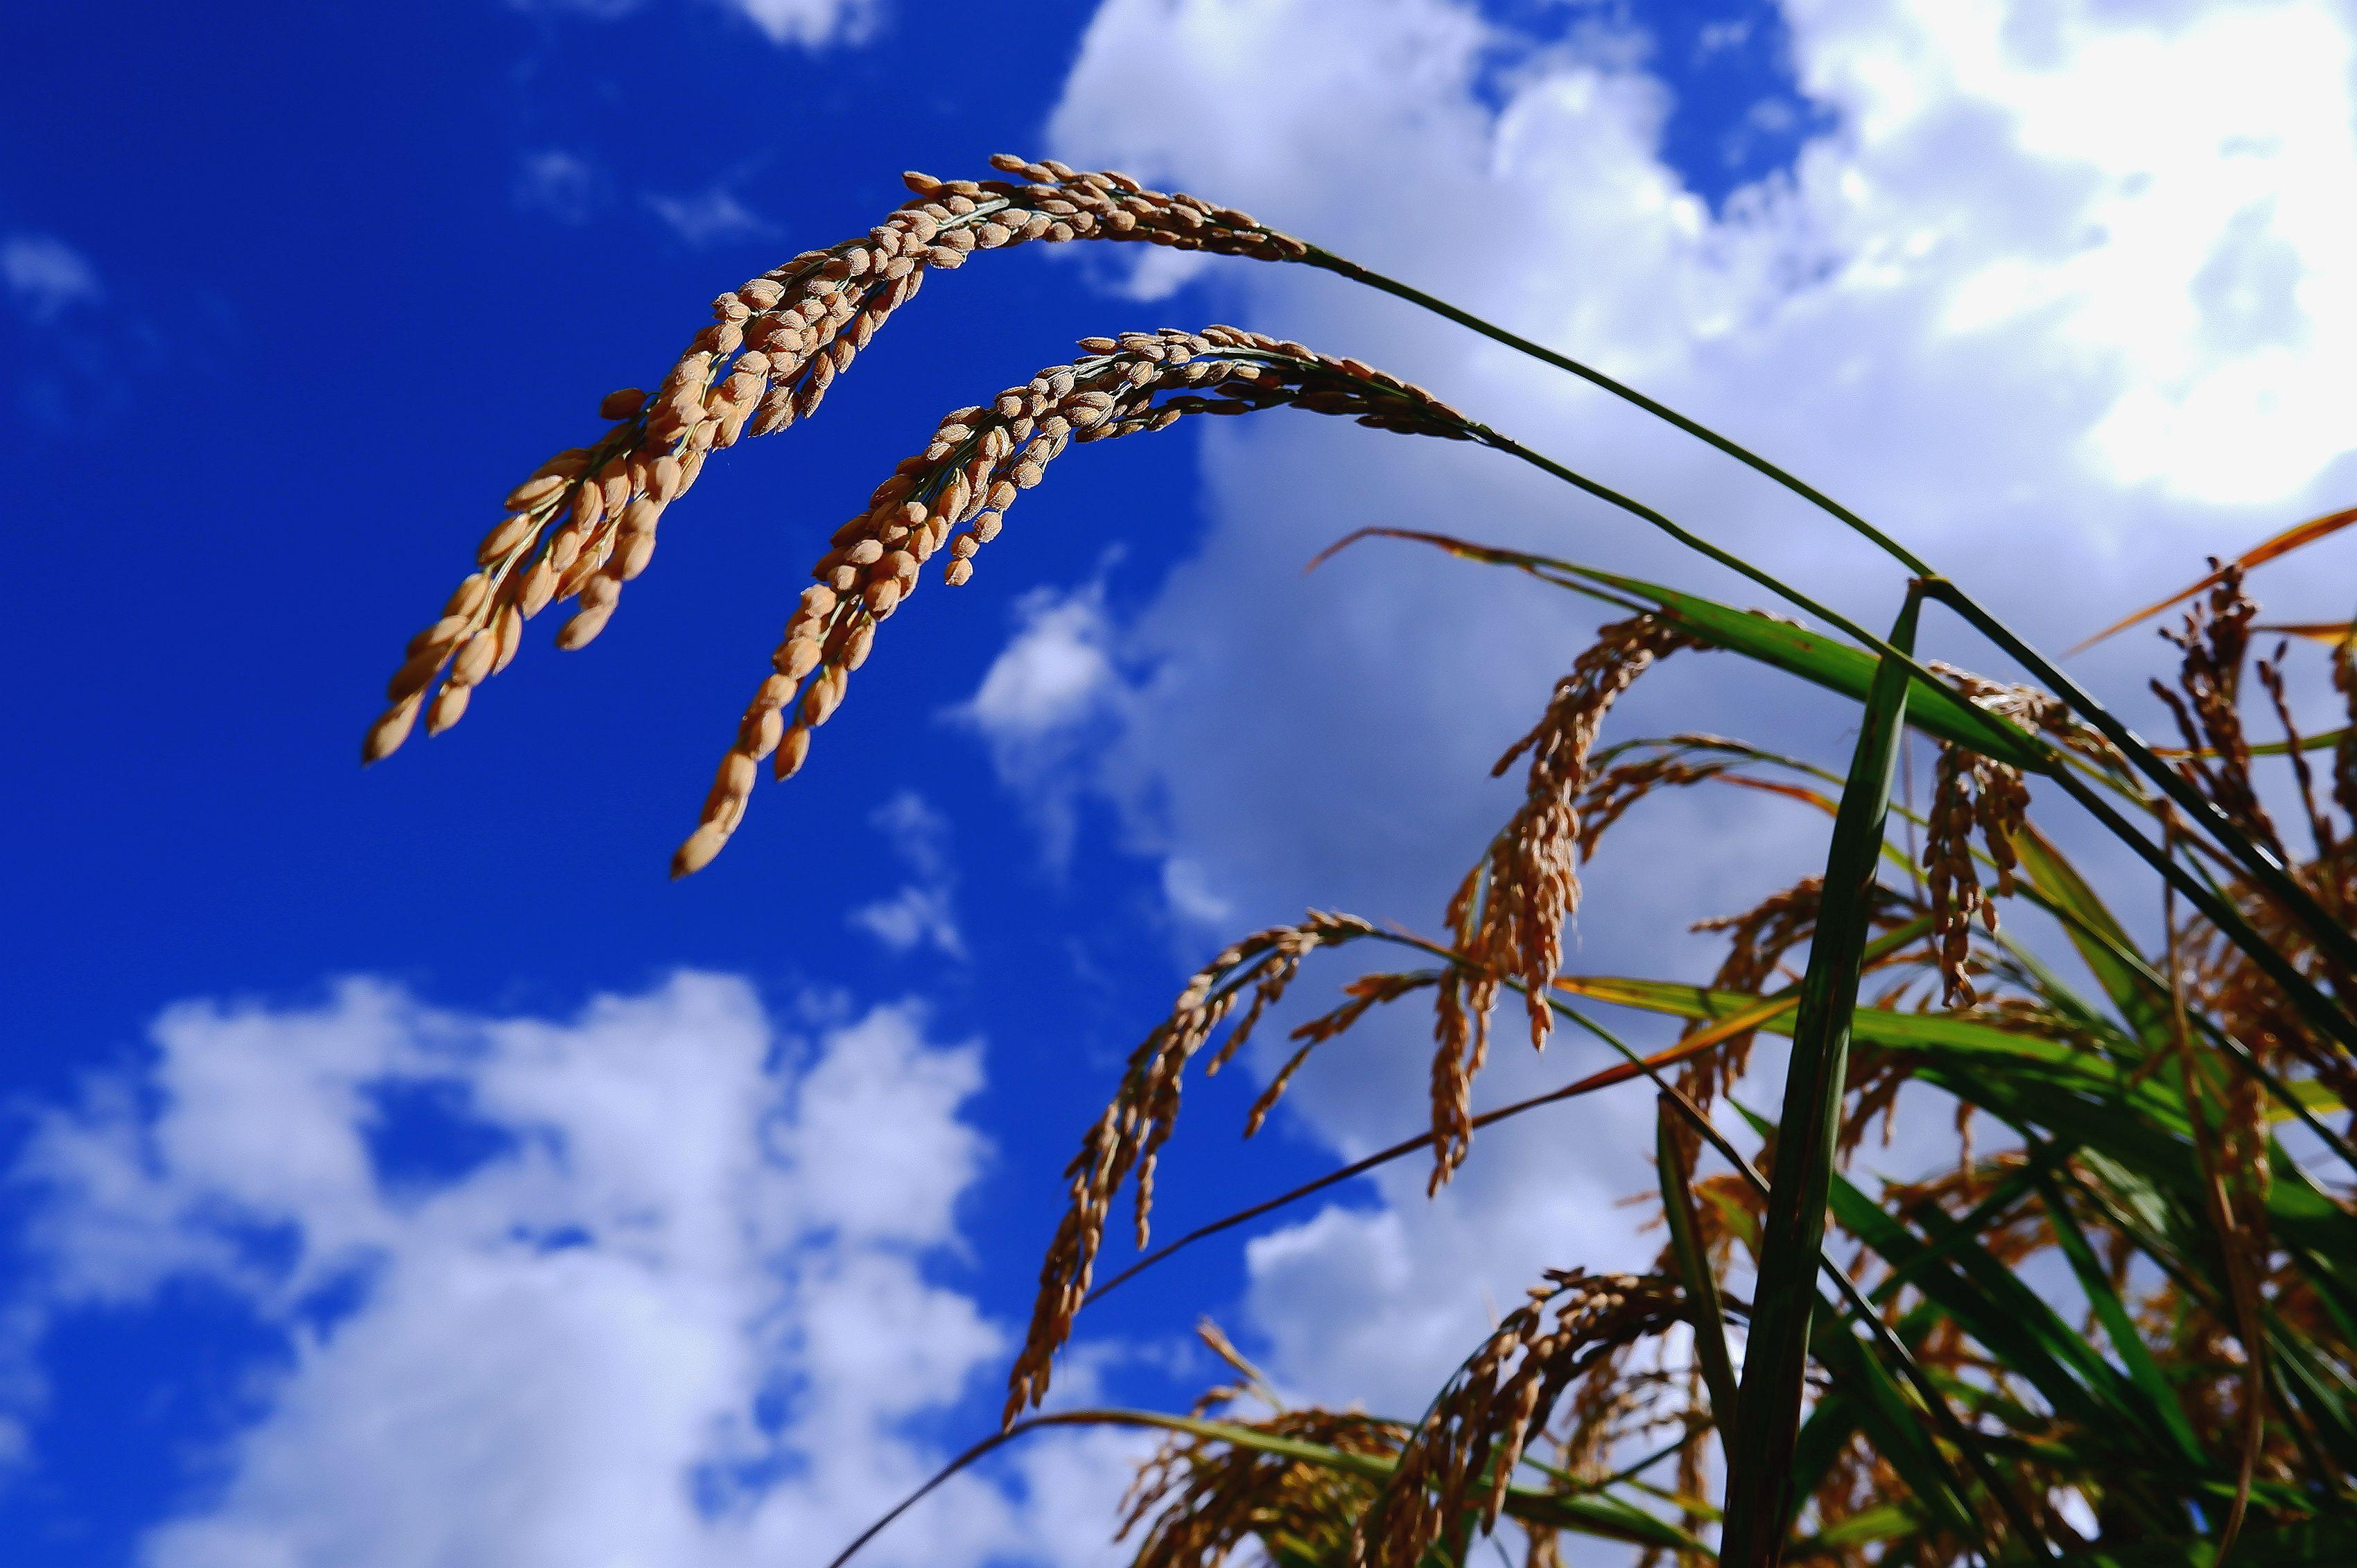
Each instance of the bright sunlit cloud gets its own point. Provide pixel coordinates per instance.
(2079, 262)
(675, 1307)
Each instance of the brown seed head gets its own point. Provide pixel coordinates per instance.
(1128, 1138)
(1508, 914)
(952, 494)
(1460, 1460)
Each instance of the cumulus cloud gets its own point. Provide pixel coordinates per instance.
(45, 276)
(676, 1311)
(2062, 294)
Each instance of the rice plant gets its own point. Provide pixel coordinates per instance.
(1812, 1370)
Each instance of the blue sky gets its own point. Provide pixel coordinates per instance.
(294, 294)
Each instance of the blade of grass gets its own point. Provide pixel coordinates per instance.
(2127, 1344)
(2297, 988)
(2284, 544)
(1882, 1522)
(1990, 1303)
(1759, 1483)
(2102, 941)
(1694, 1273)
(1894, 1425)
(2139, 993)
(1934, 707)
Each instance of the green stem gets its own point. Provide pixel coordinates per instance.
(1342, 267)
(2264, 869)
(2294, 985)
(1683, 535)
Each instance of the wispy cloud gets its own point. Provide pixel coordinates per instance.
(811, 23)
(45, 276)
(807, 23)
(561, 185)
(707, 217)
(921, 913)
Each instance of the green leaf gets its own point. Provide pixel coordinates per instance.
(1813, 656)
(2098, 937)
(1887, 1522)
(1760, 1457)
(1894, 1424)
(2160, 1397)
(1694, 1273)
(1990, 1303)
(2320, 1543)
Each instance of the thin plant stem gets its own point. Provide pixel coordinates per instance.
(2294, 985)
(2016, 1512)
(2264, 869)
(1343, 267)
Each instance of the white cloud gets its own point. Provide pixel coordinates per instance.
(681, 1315)
(708, 217)
(810, 23)
(914, 917)
(1051, 692)
(1053, 674)
(1189, 891)
(920, 834)
(560, 185)
(2064, 297)
(807, 24)
(922, 912)
(45, 276)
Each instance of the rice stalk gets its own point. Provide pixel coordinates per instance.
(2208, 1388)
(952, 498)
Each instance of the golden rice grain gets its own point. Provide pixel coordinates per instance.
(1127, 1141)
(1508, 914)
(952, 495)
(776, 345)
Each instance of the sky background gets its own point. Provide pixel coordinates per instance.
(399, 1171)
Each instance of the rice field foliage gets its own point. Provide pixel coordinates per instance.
(1818, 1367)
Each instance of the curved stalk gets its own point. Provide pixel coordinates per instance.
(1341, 266)
(2294, 985)
(2329, 935)
(1683, 535)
